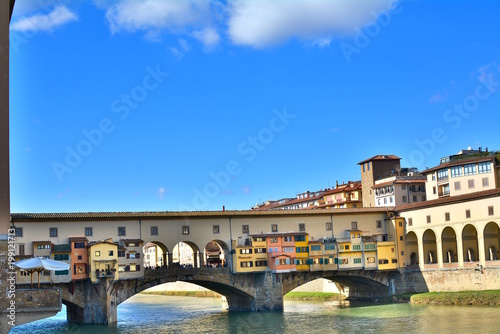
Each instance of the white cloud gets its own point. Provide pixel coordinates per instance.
(155, 16)
(59, 16)
(261, 23)
(209, 37)
(161, 193)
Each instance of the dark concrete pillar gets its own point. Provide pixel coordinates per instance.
(99, 304)
(170, 260)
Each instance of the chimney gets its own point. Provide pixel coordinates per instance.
(336, 184)
(223, 208)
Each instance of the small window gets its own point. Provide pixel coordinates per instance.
(302, 227)
(405, 199)
(185, 230)
(467, 213)
(415, 198)
(457, 185)
(88, 231)
(328, 226)
(471, 184)
(121, 230)
(434, 190)
(97, 253)
(354, 225)
(401, 238)
(447, 216)
(53, 232)
(274, 228)
(410, 221)
(490, 211)
(110, 253)
(19, 231)
(215, 229)
(154, 230)
(486, 182)
(79, 258)
(400, 224)
(244, 229)
(402, 253)
(379, 224)
(428, 219)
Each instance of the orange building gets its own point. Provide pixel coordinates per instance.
(79, 258)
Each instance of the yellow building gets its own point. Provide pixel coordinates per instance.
(62, 253)
(302, 252)
(250, 254)
(370, 252)
(387, 256)
(323, 255)
(103, 260)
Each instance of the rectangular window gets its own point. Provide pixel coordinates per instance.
(354, 225)
(300, 238)
(470, 169)
(414, 198)
(357, 261)
(244, 229)
(486, 182)
(410, 221)
(403, 187)
(19, 231)
(379, 224)
(53, 232)
(423, 198)
(484, 167)
(471, 184)
(97, 253)
(456, 171)
(467, 213)
(356, 247)
(447, 216)
(404, 199)
(287, 238)
(21, 249)
(370, 259)
(215, 229)
(315, 248)
(368, 164)
(328, 226)
(88, 231)
(273, 240)
(185, 230)
(246, 251)
(401, 238)
(274, 228)
(434, 190)
(443, 174)
(345, 261)
(154, 230)
(490, 211)
(121, 230)
(121, 253)
(302, 227)
(394, 261)
(428, 219)
(110, 253)
(457, 185)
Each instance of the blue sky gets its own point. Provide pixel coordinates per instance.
(192, 105)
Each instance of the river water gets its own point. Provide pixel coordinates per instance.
(164, 314)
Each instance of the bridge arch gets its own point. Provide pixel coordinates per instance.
(412, 249)
(217, 253)
(187, 254)
(470, 243)
(449, 245)
(155, 254)
(492, 241)
(430, 248)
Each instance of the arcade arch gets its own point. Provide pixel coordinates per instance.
(492, 241)
(449, 245)
(470, 244)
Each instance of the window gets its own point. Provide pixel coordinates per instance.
(415, 198)
(154, 230)
(403, 187)
(302, 227)
(402, 253)
(370, 246)
(244, 229)
(61, 272)
(346, 247)
(368, 165)
(434, 177)
(300, 238)
(471, 184)
(110, 253)
(246, 251)
(246, 264)
(61, 257)
(404, 199)
(423, 198)
(484, 167)
(401, 238)
(357, 261)
(53, 232)
(88, 231)
(215, 229)
(121, 230)
(443, 174)
(364, 168)
(370, 259)
(356, 247)
(273, 240)
(19, 231)
(385, 200)
(80, 258)
(354, 225)
(456, 171)
(447, 216)
(97, 253)
(274, 228)
(260, 251)
(328, 226)
(379, 224)
(410, 221)
(394, 261)
(133, 267)
(185, 230)
(470, 169)
(121, 253)
(428, 219)
(486, 182)
(121, 268)
(467, 213)
(79, 245)
(315, 247)
(262, 263)
(434, 190)
(21, 249)
(457, 185)
(287, 238)
(345, 261)
(490, 211)
(391, 199)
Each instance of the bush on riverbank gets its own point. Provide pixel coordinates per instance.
(487, 297)
(203, 294)
(313, 296)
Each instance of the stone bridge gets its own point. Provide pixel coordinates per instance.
(97, 303)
